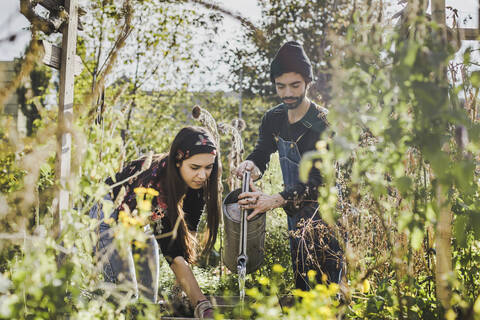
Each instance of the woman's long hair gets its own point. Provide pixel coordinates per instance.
(176, 189)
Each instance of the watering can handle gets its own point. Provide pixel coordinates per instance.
(243, 218)
(246, 181)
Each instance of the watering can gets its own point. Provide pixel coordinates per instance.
(244, 240)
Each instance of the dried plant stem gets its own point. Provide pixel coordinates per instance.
(235, 154)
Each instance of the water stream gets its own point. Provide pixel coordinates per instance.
(242, 271)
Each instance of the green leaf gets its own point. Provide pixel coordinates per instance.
(404, 184)
(404, 220)
(5, 284)
(411, 55)
(459, 229)
(475, 222)
(417, 238)
(430, 213)
(306, 165)
(475, 79)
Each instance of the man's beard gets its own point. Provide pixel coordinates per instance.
(298, 101)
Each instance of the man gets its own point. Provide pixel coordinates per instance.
(293, 128)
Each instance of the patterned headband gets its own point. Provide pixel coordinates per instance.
(198, 143)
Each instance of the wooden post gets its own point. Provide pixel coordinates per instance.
(443, 250)
(468, 33)
(65, 109)
(438, 15)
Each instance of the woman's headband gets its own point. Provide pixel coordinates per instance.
(196, 143)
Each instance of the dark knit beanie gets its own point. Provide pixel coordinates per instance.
(291, 58)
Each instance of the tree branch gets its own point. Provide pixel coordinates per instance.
(112, 57)
(243, 20)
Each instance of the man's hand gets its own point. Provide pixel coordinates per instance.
(259, 201)
(247, 165)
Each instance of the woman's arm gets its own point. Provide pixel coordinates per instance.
(186, 279)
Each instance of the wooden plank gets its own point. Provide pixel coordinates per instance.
(468, 34)
(51, 5)
(65, 110)
(55, 5)
(53, 56)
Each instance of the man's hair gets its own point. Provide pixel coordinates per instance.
(291, 58)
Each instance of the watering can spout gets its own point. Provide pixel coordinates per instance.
(242, 263)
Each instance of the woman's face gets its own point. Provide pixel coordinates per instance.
(196, 170)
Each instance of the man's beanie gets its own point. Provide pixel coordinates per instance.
(291, 58)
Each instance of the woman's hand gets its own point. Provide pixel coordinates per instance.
(186, 279)
(204, 310)
(259, 202)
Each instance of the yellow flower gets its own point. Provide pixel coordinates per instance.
(333, 288)
(321, 289)
(126, 220)
(324, 277)
(365, 286)
(140, 190)
(144, 205)
(302, 294)
(132, 221)
(152, 192)
(311, 275)
(450, 315)
(321, 145)
(264, 281)
(122, 215)
(139, 244)
(109, 221)
(252, 292)
(324, 311)
(278, 268)
(476, 306)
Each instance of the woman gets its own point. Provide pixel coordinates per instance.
(179, 185)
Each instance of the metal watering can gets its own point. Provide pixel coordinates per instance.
(244, 240)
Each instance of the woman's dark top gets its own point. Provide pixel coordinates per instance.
(154, 177)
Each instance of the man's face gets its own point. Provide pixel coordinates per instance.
(291, 88)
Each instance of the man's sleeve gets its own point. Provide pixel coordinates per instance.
(265, 145)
